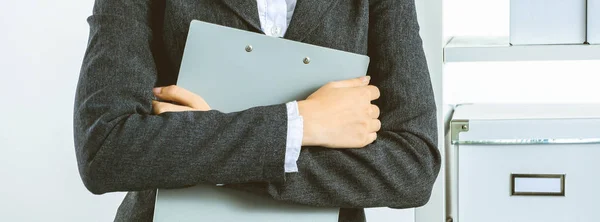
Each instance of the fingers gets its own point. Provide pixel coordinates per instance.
(356, 82)
(374, 126)
(162, 107)
(181, 96)
(373, 111)
(371, 138)
(373, 92)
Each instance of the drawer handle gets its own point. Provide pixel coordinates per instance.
(537, 184)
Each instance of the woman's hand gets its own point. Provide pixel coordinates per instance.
(184, 99)
(340, 115)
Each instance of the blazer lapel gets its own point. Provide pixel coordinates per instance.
(307, 16)
(247, 10)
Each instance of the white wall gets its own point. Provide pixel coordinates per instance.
(41, 47)
(430, 20)
(510, 82)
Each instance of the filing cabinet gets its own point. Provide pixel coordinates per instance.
(524, 163)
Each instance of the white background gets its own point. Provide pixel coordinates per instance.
(41, 47)
(510, 82)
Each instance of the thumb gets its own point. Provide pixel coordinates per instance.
(356, 82)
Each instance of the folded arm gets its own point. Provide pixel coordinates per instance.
(399, 169)
(122, 147)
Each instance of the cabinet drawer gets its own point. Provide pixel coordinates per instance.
(526, 183)
(523, 163)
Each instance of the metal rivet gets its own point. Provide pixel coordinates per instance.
(306, 60)
(465, 127)
(248, 48)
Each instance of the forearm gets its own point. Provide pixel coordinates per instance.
(122, 147)
(174, 150)
(396, 171)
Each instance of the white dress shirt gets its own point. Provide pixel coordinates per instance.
(275, 16)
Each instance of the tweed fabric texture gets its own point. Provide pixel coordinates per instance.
(135, 45)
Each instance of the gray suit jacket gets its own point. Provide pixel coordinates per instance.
(135, 45)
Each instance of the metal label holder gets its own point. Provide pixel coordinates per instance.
(513, 177)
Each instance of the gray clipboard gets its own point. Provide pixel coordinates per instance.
(234, 70)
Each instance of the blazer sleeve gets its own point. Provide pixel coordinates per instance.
(120, 146)
(399, 169)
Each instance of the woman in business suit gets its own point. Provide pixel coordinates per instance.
(128, 140)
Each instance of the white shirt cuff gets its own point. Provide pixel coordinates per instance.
(294, 137)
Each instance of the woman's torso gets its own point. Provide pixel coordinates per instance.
(341, 25)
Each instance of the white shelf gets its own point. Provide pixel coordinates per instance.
(478, 49)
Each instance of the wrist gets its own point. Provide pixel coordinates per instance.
(304, 109)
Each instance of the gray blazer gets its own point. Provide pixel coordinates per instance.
(135, 45)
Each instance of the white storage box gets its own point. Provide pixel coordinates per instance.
(593, 26)
(524, 163)
(547, 22)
